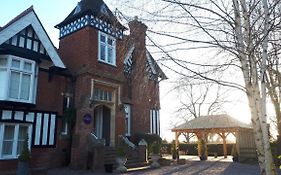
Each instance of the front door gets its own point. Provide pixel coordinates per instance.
(102, 123)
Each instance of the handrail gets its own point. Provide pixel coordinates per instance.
(95, 140)
(128, 142)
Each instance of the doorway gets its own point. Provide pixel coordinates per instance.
(102, 123)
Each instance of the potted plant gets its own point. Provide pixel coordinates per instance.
(23, 159)
(121, 158)
(174, 151)
(234, 153)
(155, 154)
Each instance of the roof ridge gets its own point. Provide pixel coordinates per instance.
(25, 12)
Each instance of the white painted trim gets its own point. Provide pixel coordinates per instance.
(1, 139)
(33, 78)
(158, 122)
(106, 49)
(22, 23)
(38, 129)
(129, 53)
(150, 62)
(128, 106)
(14, 154)
(151, 122)
(52, 129)
(45, 129)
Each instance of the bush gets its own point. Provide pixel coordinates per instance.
(25, 154)
(155, 148)
(149, 138)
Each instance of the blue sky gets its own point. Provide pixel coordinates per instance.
(50, 12)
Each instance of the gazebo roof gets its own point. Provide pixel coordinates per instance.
(212, 122)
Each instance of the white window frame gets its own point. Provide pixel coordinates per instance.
(107, 37)
(65, 128)
(15, 140)
(154, 122)
(7, 71)
(128, 114)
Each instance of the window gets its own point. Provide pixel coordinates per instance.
(18, 77)
(12, 137)
(102, 95)
(127, 109)
(107, 49)
(66, 105)
(154, 122)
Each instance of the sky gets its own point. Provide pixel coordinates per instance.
(52, 12)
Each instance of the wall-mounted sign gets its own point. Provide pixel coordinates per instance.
(87, 118)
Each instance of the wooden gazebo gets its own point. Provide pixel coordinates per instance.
(222, 125)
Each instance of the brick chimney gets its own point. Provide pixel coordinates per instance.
(138, 32)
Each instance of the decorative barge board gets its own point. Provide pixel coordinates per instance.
(26, 33)
(91, 13)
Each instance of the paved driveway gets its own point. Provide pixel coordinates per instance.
(218, 166)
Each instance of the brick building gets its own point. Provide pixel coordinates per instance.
(99, 81)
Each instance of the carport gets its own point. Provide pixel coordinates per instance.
(222, 125)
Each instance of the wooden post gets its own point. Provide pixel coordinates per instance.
(177, 139)
(223, 136)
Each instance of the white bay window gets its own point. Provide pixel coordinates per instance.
(107, 49)
(19, 79)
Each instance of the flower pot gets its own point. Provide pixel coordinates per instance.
(155, 158)
(23, 168)
(121, 164)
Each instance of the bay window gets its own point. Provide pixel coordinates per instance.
(19, 79)
(107, 49)
(12, 138)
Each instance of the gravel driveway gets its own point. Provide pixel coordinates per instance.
(193, 166)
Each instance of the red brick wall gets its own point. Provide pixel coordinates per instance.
(49, 98)
(145, 92)
(49, 93)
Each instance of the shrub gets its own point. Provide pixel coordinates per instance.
(25, 154)
(149, 138)
(155, 148)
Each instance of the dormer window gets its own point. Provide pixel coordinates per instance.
(18, 80)
(107, 49)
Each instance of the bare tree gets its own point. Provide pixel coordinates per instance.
(197, 99)
(234, 36)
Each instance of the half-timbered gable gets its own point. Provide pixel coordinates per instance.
(27, 105)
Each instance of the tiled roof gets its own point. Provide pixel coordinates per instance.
(212, 122)
(93, 7)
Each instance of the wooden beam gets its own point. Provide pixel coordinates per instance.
(224, 144)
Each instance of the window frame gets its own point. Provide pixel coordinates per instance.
(107, 46)
(64, 127)
(154, 121)
(7, 71)
(14, 154)
(128, 116)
